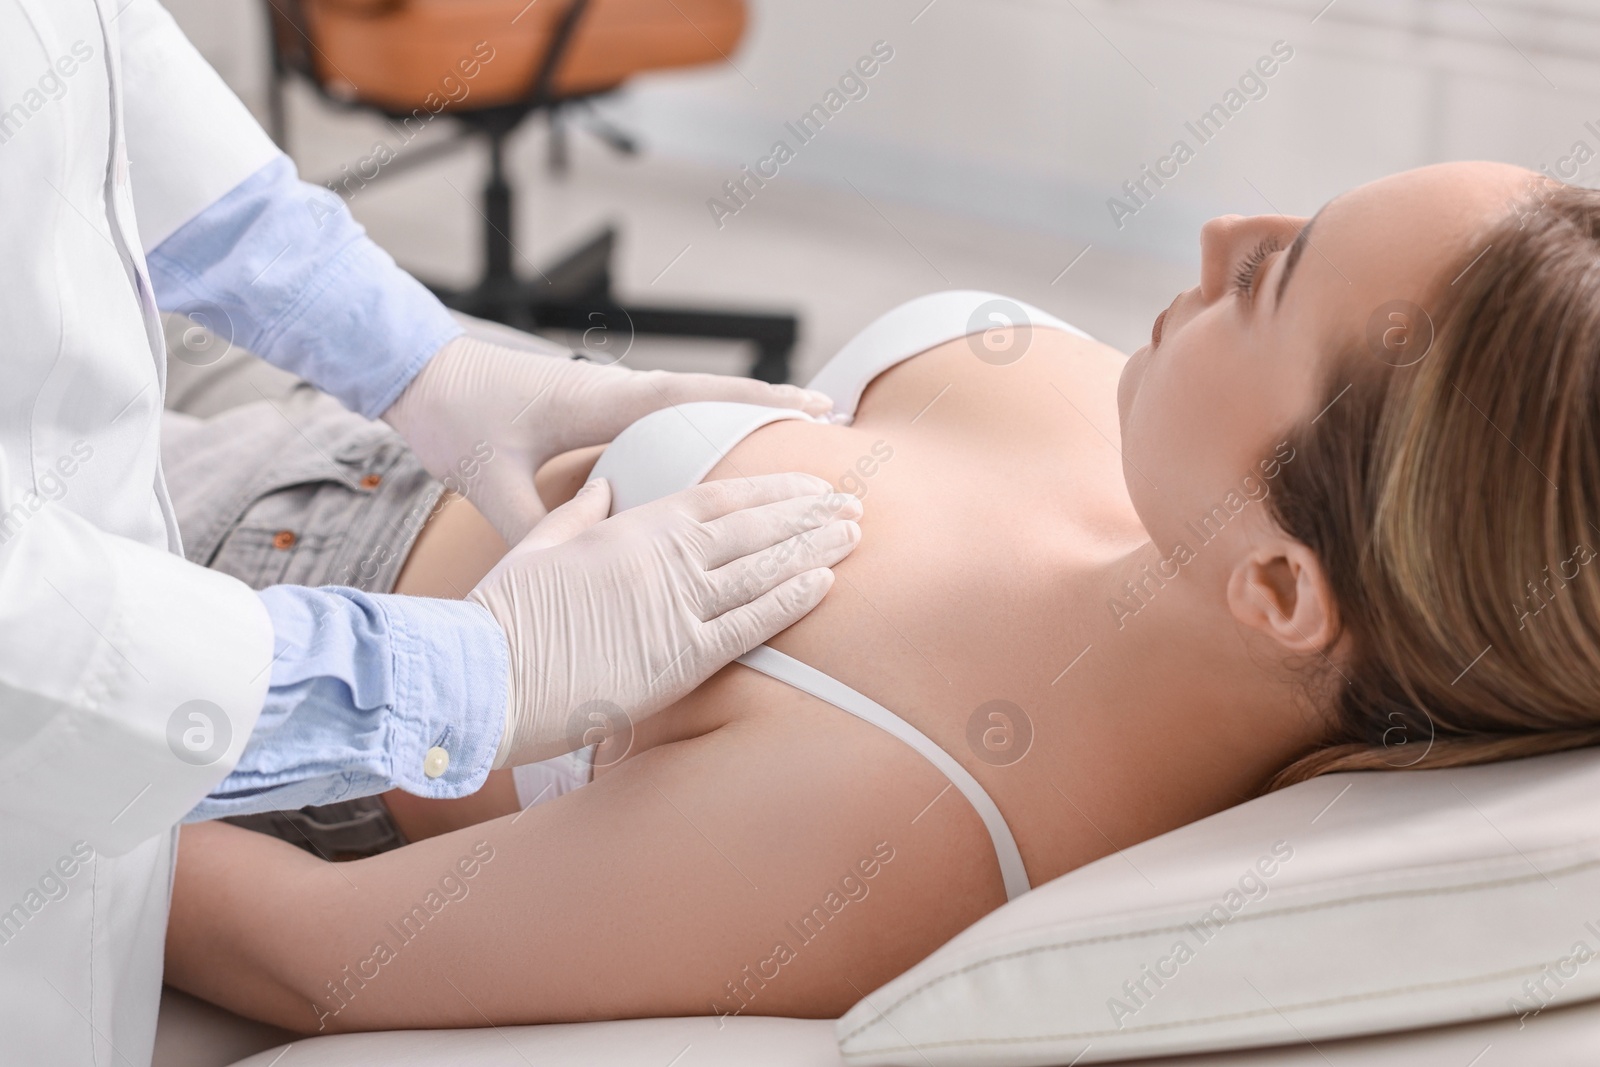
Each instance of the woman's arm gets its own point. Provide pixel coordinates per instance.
(786, 863)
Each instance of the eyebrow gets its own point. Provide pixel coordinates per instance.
(1292, 260)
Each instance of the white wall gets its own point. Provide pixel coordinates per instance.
(1034, 112)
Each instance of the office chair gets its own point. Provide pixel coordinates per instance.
(416, 60)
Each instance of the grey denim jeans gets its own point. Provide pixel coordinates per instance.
(296, 490)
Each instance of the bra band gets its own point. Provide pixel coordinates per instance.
(784, 668)
(676, 447)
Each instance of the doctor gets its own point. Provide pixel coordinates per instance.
(137, 689)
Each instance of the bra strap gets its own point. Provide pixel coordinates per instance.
(808, 679)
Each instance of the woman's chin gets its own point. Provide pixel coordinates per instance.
(1128, 382)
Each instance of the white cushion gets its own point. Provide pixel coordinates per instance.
(1406, 899)
(707, 1041)
(1562, 1037)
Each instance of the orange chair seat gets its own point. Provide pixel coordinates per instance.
(470, 53)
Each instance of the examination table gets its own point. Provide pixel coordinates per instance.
(1441, 917)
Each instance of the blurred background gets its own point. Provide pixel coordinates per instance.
(986, 153)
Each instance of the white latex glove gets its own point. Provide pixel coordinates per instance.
(483, 418)
(620, 617)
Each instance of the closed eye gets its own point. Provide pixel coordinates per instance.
(1245, 277)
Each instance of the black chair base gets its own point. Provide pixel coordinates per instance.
(575, 294)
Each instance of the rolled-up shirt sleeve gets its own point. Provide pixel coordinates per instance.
(280, 267)
(369, 692)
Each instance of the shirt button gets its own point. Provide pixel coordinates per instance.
(371, 481)
(283, 539)
(435, 762)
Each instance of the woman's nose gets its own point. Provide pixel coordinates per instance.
(1218, 240)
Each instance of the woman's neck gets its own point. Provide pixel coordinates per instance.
(1170, 656)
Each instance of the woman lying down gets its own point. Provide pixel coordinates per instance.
(1335, 516)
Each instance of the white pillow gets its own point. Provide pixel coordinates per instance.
(1349, 904)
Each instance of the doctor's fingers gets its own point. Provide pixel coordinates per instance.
(713, 500)
(745, 532)
(736, 632)
(671, 387)
(751, 577)
(591, 505)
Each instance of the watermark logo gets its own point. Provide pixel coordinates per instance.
(1139, 592)
(850, 888)
(458, 484)
(596, 722)
(453, 89)
(1400, 737)
(999, 733)
(1543, 593)
(1138, 192)
(854, 480)
(1543, 988)
(53, 885)
(738, 192)
(47, 88)
(1400, 333)
(999, 332)
(599, 342)
(199, 732)
(452, 887)
(50, 484)
(1249, 890)
(207, 338)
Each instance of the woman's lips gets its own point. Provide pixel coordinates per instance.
(1159, 327)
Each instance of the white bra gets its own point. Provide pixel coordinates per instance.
(677, 447)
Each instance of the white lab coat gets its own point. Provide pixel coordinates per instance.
(105, 631)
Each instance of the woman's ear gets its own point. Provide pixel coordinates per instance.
(1280, 589)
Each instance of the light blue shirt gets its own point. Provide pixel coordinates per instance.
(363, 685)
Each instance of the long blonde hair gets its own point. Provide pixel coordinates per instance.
(1454, 504)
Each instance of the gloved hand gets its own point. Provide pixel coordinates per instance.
(483, 418)
(630, 613)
